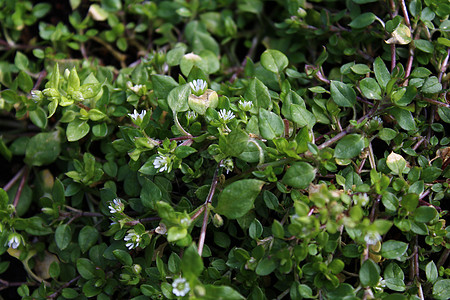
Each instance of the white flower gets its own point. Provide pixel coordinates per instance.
(116, 206)
(191, 115)
(161, 163)
(132, 238)
(14, 240)
(361, 199)
(226, 115)
(185, 222)
(245, 105)
(135, 115)
(161, 229)
(227, 164)
(137, 88)
(180, 287)
(380, 285)
(372, 237)
(198, 86)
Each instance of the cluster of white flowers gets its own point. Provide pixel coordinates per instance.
(180, 287)
(198, 86)
(138, 116)
(137, 88)
(14, 240)
(226, 115)
(245, 105)
(133, 239)
(372, 237)
(161, 163)
(116, 206)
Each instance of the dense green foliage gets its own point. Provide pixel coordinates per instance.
(224, 149)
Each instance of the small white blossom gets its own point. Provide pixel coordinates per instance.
(380, 285)
(14, 240)
(161, 163)
(191, 115)
(185, 222)
(372, 237)
(198, 86)
(226, 115)
(227, 164)
(361, 199)
(161, 229)
(180, 287)
(245, 105)
(138, 116)
(36, 96)
(378, 119)
(133, 239)
(116, 206)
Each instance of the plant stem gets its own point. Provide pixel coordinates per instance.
(14, 179)
(69, 283)
(208, 200)
(20, 189)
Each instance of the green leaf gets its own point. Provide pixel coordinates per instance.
(410, 202)
(302, 116)
(381, 73)
(86, 268)
(162, 85)
(424, 46)
(274, 61)
(266, 266)
(363, 20)
(393, 249)
(191, 263)
(76, 130)
(444, 113)
(222, 292)
(43, 149)
(360, 69)
(63, 236)
(234, 143)
(431, 85)
(394, 277)
(38, 117)
(270, 124)
(25, 82)
(87, 238)
(178, 98)
(21, 61)
(123, 256)
(342, 94)
(259, 94)
(176, 233)
(349, 146)
(369, 274)
(424, 214)
(396, 163)
(184, 151)
(404, 96)
(404, 118)
(370, 88)
(238, 198)
(431, 272)
(441, 289)
(299, 175)
(387, 134)
(69, 293)
(150, 193)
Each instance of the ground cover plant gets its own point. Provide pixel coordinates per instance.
(224, 149)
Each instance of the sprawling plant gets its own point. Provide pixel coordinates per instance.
(225, 149)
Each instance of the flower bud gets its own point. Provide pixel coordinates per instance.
(217, 220)
(137, 269)
(66, 74)
(36, 96)
(200, 104)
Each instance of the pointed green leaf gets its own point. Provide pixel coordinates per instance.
(342, 94)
